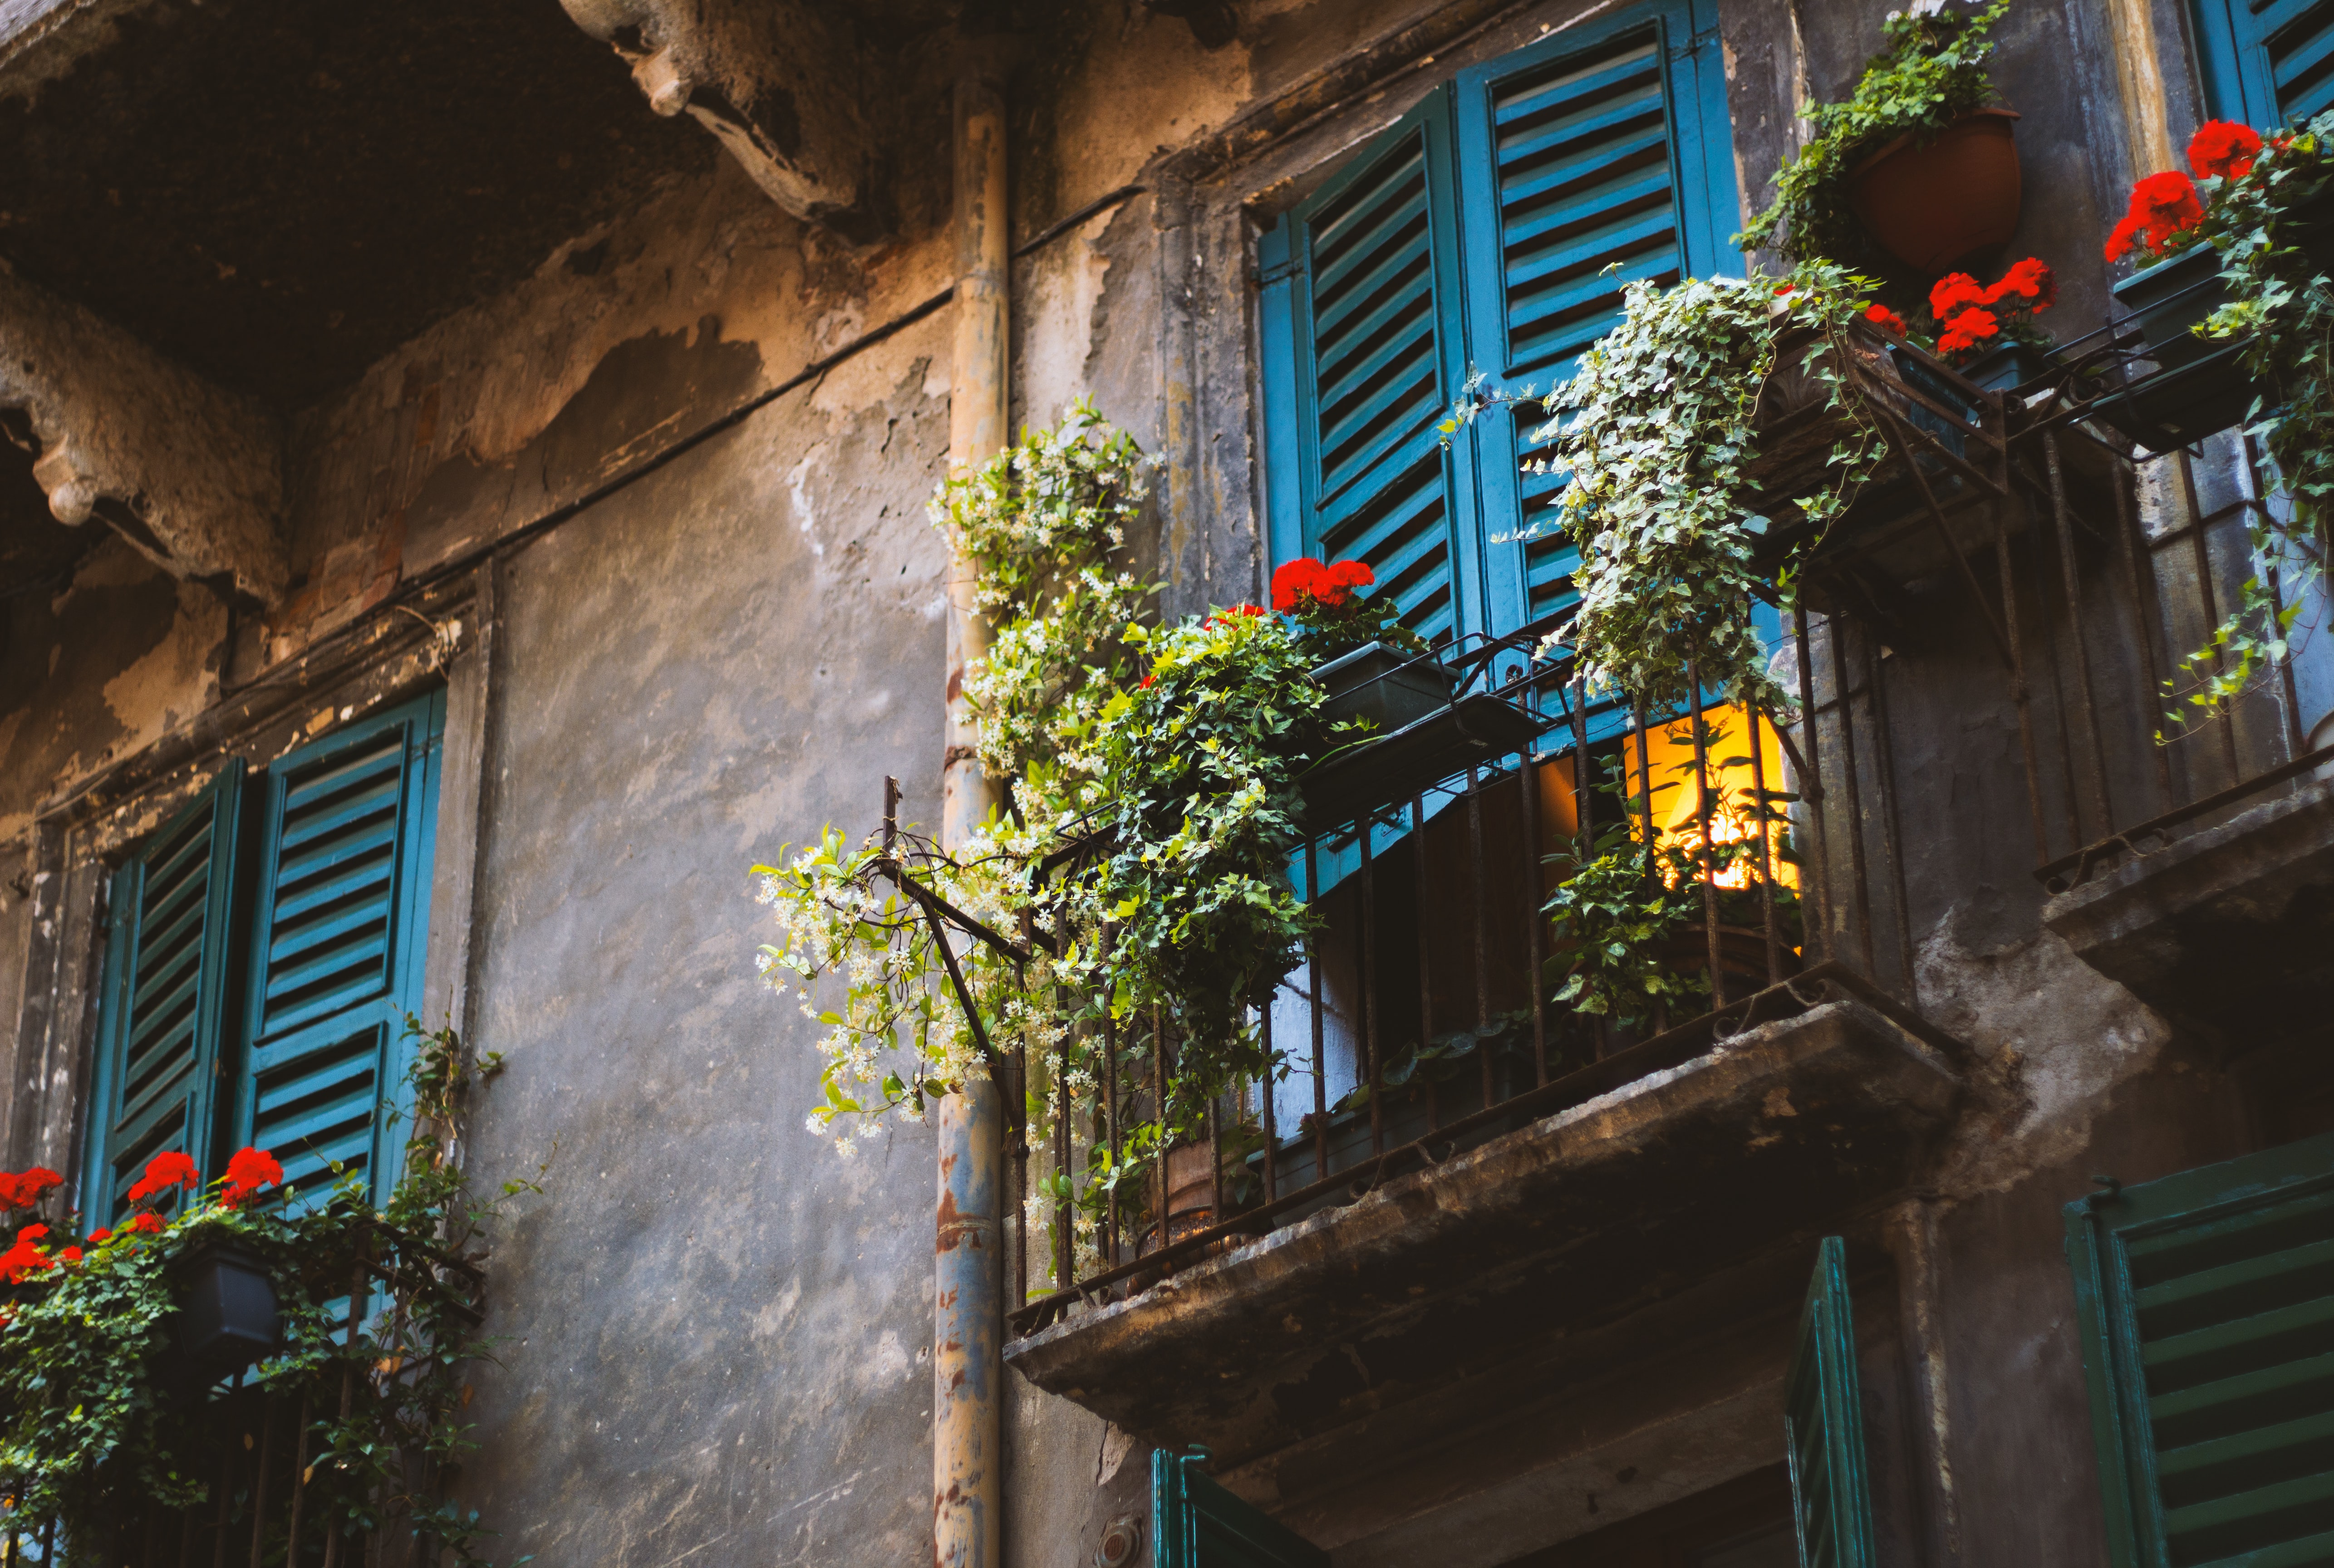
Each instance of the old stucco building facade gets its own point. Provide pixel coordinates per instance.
(593, 369)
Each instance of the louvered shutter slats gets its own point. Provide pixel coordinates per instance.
(337, 955)
(164, 994)
(2206, 1300)
(2297, 37)
(1585, 182)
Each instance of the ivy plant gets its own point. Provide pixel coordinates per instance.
(1930, 73)
(1656, 431)
(98, 1421)
(2262, 201)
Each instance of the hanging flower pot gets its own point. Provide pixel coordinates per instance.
(226, 1317)
(1931, 206)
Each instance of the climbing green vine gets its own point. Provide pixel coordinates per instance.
(99, 1421)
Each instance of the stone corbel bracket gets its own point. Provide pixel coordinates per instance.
(188, 472)
(776, 82)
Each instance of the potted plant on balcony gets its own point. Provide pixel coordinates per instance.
(114, 1349)
(1919, 162)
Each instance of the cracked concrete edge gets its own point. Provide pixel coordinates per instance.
(2247, 850)
(198, 468)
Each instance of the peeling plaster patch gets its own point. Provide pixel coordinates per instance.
(174, 681)
(798, 485)
(1117, 1445)
(1145, 86)
(2057, 1038)
(1057, 313)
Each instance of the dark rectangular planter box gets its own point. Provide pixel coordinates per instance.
(226, 1317)
(2009, 366)
(2177, 407)
(2170, 299)
(1388, 688)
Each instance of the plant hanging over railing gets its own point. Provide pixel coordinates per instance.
(101, 1421)
(1141, 870)
(2266, 203)
(1657, 433)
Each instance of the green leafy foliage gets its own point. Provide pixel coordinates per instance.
(99, 1420)
(2280, 311)
(1629, 913)
(1201, 762)
(1656, 430)
(1931, 73)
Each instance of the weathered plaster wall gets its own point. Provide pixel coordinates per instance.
(720, 1329)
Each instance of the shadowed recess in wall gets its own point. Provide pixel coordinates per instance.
(278, 194)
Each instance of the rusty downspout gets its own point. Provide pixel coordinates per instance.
(969, 1279)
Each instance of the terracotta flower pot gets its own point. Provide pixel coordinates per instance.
(1930, 206)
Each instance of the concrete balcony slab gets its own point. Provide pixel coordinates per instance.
(2230, 928)
(1575, 1219)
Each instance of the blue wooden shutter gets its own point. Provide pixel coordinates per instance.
(162, 1003)
(1594, 159)
(2266, 61)
(1196, 1523)
(340, 923)
(2206, 1307)
(1362, 339)
(1823, 1418)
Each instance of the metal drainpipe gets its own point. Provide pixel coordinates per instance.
(969, 1276)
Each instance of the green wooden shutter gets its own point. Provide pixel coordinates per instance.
(340, 923)
(1196, 1523)
(1596, 157)
(1823, 1419)
(2205, 1306)
(162, 1002)
(2265, 62)
(1362, 337)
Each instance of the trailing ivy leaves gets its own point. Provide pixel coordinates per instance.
(1930, 74)
(1200, 762)
(98, 1423)
(1656, 430)
(2280, 312)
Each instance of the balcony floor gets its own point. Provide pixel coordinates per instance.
(2231, 928)
(1574, 1220)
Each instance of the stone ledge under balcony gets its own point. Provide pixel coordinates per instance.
(1575, 1219)
(2231, 928)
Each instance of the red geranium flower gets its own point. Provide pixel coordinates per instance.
(1351, 574)
(1885, 319)
(2029, 280)
(1300, 577)
(143, 1224)
(27, 1188)
(248, 1170)
(2223, 149)
(1954, 291)
(164, 1171)
(23, 1259)
(1144, 684)
(70, 1254)
(100, 1236)
(1968, 329)
(2162, 205)
(31, 1233)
